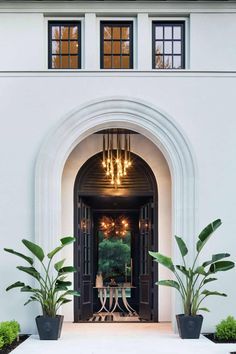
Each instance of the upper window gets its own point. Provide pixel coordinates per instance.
(168, 45)
(116, 45)
(64, 45)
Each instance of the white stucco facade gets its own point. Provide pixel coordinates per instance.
(54, 113)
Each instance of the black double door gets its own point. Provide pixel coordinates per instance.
(146, 269)
(144, 296)
(83, 280)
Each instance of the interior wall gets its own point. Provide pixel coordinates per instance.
(155, 159)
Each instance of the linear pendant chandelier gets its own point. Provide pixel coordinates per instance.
(116, 156)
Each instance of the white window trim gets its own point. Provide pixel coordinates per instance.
(46, 42)
(187, 37)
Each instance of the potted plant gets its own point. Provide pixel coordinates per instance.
(191, 280)
(51, 289)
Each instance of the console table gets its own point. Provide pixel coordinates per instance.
(113, 294)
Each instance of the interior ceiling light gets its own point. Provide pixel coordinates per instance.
(114, 227)
(116, 156)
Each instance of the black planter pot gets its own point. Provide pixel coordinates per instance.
(49, 328)
(189, 326)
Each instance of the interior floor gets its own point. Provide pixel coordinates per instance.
(114, 317)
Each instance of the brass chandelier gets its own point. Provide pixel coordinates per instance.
(116, 156)
(117, 227)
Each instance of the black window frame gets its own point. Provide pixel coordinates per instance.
(182, 55)
(50, 54)
(115, 23)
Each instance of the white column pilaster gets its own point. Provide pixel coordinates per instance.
(91, 42)
(144, 42)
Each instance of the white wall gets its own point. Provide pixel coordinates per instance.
(22, 39)
(203, 106)
(210, 32)
(152, 155)
(212, 41)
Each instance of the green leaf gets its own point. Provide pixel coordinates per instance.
(185, 271)
(53, 252)
(32, 298)
(182, 246)
(59, 265)
(35, 249)
(208, 280)
(18, 284)
(26, 258)
(61, 288)
(68, 269)
(204, 309)
(206, 233)
(221, 266)
(209, 293)
(200, 270)
(30, 270)
(171, 283)
(28, 289)
(67, 240)
(63, 283)
(73, 292)
(29, 301)
(215, 258)
(63, 301)
(163, 260)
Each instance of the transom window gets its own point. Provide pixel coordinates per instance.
(168, 45)
(116, 45)
(64, 45)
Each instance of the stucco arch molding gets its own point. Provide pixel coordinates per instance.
(128, 113)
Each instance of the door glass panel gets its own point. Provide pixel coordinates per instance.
(114, 253)
(86, 234)
(144, 238)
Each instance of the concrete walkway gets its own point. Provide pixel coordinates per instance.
(121, 338)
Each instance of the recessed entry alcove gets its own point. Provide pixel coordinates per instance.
(160, 142)
(143, 201)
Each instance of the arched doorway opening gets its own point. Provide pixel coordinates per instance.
(129, 113)
(120, 255)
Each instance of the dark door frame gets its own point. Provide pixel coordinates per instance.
(79, 192)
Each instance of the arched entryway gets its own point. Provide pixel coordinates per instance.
(135, 203)
(107, 113)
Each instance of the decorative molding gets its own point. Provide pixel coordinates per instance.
(116, 112)
(122, 73)
(152, 7)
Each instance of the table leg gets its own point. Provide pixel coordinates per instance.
(116, 300)
(103, 298)
(110, 298)
(125, 302)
